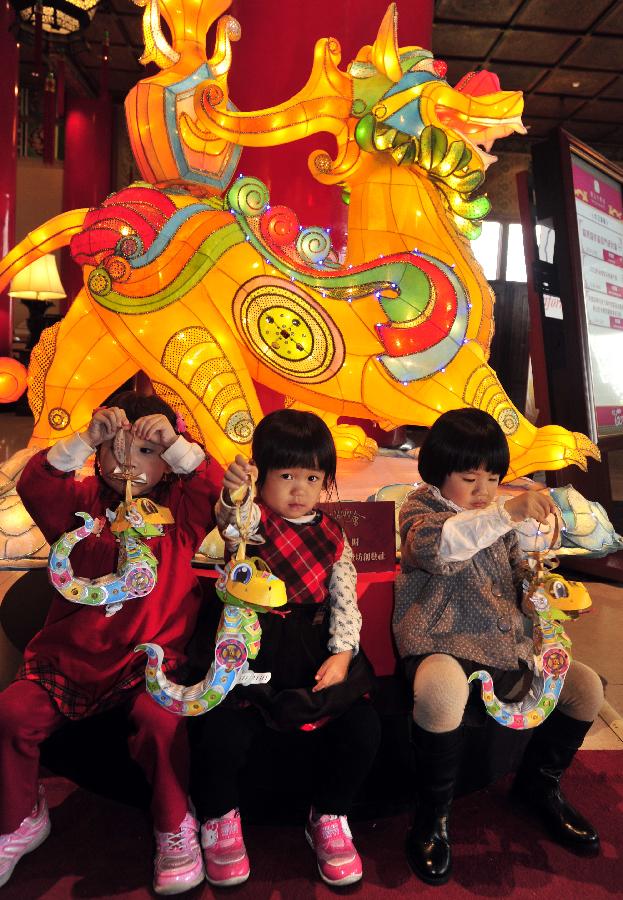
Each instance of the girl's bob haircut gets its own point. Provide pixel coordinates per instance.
(461, 440)
(294, 439)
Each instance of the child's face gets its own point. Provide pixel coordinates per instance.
(473, 489)
(148, 467)
(292, 492)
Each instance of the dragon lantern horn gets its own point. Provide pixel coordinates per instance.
(323, 104)
(188, 24)
(384, 52)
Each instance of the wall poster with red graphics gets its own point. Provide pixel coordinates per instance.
(599, 211)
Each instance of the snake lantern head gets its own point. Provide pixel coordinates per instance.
(569, 596)
(249, 583)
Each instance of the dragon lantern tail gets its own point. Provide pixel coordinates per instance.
(50, 236)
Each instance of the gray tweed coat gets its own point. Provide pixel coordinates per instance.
(471, 609)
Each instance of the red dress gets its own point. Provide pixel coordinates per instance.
(83, 658)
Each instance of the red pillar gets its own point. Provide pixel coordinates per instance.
(8, 154)
(87, 176)
(272, 62)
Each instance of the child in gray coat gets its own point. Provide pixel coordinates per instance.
(459, 609)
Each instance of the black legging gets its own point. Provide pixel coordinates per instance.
(223, 740)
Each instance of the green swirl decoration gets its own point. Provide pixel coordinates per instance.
(248, 196)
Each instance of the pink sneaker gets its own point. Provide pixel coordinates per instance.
(33, 831)
(178, 866)
(339, 863)
(224, 853)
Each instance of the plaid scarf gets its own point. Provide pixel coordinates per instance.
(302, 555)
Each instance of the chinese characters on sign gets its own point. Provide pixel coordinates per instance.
(599, 211)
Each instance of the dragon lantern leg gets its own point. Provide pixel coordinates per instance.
(351, 441)
(135, 576)
(237, 640)
(74, 367)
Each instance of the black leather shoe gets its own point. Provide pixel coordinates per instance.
(428, 848)
(565, 824)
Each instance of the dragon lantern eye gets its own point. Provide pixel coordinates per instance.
(242, 573)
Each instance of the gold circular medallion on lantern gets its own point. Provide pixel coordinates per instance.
(286, 333)
(288, 330)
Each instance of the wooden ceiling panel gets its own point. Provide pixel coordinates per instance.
(569, 15)
(597, 53)
(542, 47)
(516, 77)
(463, 40)
(555, 106)
(601, 111)
(539, 127)
(575, 82)
(615, 89)
(497, 12)
(612, 23)
(591, 131)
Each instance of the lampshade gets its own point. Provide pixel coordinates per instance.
(58, 16)
(38, 281)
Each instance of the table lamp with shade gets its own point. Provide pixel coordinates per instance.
(36, 286)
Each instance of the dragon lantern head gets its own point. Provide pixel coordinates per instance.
(391, 101)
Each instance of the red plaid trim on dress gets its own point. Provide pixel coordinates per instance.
(302, 555)
(70, 699)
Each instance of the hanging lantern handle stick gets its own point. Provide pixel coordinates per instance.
(539, 557)
(237, 497)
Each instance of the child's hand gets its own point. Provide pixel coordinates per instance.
(531, 505)
(104, 425)
(155, 428)
(333, 670)
(238, 473)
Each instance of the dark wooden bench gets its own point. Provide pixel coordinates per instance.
(93, 752)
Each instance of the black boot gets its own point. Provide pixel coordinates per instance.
(437, 759)
(537, 784)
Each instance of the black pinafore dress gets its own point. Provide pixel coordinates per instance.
(295, 637)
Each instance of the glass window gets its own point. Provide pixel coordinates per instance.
(486, 249)
(515, 259)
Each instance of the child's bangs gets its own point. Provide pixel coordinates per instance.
(471, 456)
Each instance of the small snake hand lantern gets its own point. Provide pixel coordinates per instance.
(247, 587)
(134, 521)
(552, 656)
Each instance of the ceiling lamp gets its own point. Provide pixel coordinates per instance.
(58, 16)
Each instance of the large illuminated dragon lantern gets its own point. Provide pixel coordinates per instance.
(208, 289)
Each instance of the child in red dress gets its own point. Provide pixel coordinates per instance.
(83, 661)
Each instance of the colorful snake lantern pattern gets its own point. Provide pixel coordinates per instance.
(551, 665)
(247, 587)
(135, 519)
(135, 576)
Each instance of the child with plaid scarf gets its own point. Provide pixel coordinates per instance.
(320, 678)
(82, 660)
